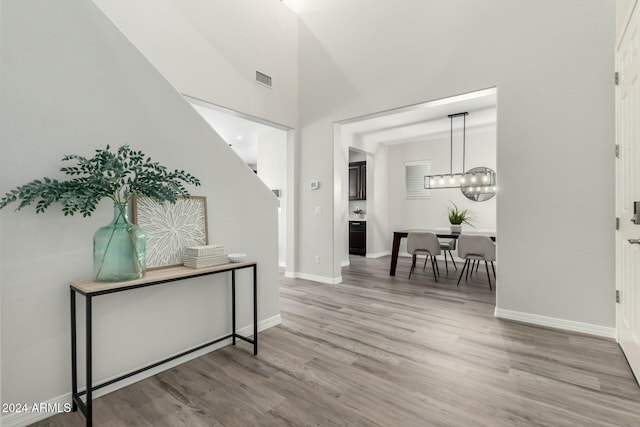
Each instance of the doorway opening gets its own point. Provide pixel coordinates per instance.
(390, 142)
(264, 147)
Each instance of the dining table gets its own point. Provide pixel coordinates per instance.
(442, 233)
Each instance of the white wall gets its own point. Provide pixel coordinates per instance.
(272, 169)
(357, 156)
(339, 211)
(211, 50)
(432, 212)
(378, 237)
(552, 63)
(71, 83)
(553, 73)
(623, 10)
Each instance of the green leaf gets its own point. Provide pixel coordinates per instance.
(105, 175)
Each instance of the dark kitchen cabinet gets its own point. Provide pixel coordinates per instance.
(358, 181)
(354, 175)
(358, 237)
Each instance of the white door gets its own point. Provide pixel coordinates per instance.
(628, 191)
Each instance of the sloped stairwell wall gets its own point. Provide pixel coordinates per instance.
(71, 82)
(212, 49)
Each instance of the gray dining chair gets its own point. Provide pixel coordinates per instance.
(423, 243)
(478, 248)
(448, 245)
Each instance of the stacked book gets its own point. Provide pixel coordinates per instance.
(204, 256)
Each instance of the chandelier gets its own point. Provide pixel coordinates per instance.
(480, 180)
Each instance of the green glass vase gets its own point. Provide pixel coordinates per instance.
(119, 249)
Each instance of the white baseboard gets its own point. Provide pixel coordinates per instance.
(314, 278)
(346, 263)
(378, 254)
(262, 325)
(552, 322)
(25, 418)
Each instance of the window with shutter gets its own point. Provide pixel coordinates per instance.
(414, 177)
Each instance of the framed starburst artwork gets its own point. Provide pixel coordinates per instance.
(171, 227)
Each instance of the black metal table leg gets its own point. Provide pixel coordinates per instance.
(74, 360)
(89, 290)
(233, 305)
(89, 404)
(255, 310)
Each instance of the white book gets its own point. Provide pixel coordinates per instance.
(203, 258)
(204, 250)
(201, 264)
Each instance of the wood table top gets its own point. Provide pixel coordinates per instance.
(445, 232)
(89, 286)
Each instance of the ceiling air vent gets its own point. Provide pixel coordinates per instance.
(263, 79)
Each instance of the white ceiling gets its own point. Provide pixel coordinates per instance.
(241, 134)
(424, 121)
(415, 123)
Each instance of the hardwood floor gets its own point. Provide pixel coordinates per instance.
(383, 351)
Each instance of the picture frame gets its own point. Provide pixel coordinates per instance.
(170, 228)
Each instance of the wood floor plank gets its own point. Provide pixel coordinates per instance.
(376, 351)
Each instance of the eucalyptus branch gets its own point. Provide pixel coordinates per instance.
(116, 176)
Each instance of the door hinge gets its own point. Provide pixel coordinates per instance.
(617, 223)
(617, 151)
(618, 297)
(617, 78)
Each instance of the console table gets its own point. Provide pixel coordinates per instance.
(90, 289)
